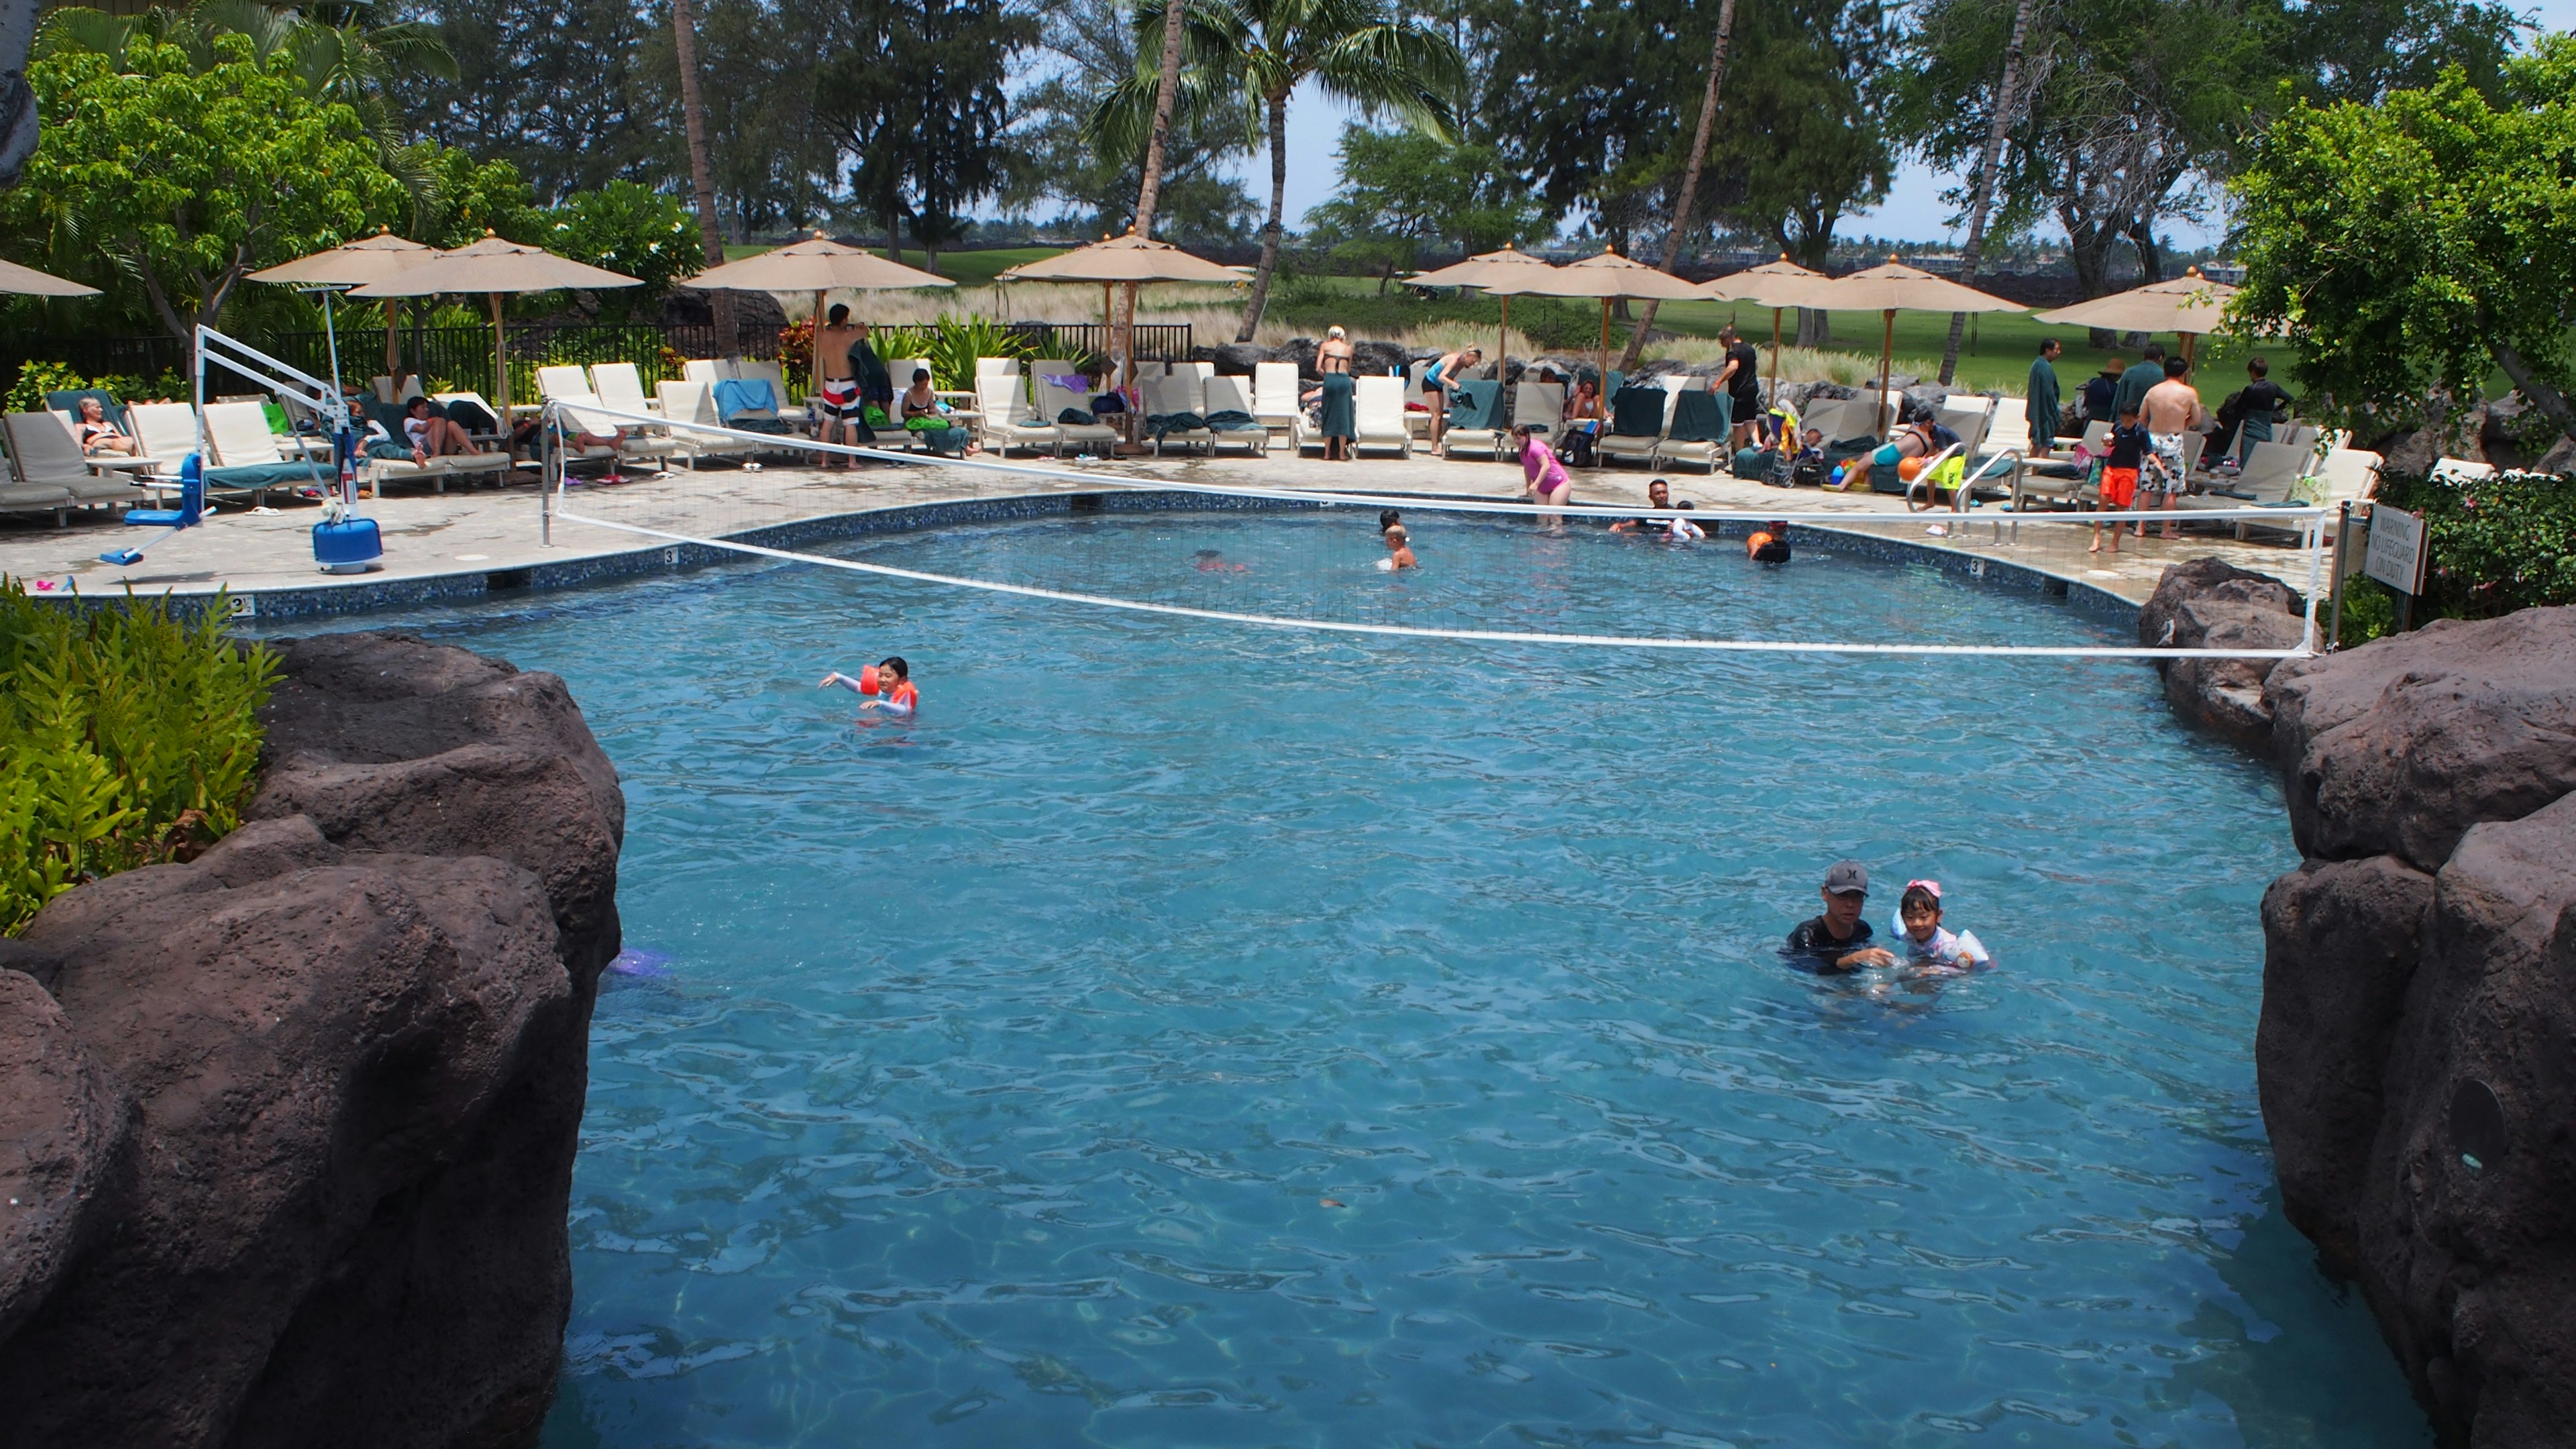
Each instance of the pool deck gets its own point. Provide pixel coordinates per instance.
(470, 539)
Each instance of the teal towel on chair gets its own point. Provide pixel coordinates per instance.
(1698, 417)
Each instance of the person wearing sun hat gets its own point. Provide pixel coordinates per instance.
(1838, 940)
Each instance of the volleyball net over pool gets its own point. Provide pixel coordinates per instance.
(1489, 570)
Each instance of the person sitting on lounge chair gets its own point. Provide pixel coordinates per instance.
(430, 435)
(97, 435)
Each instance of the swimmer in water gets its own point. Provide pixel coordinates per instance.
(1682, 530)
(1399, 553)
(1768, 544)
(1918, 933)
(894, 677)
(1210, 561)
(1388, 518)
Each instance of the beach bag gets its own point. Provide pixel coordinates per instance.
(1076, 417)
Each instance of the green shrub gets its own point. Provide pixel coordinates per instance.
(37, 378)
(2498, 544)
(133, 738)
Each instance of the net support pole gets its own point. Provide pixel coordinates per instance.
(2316, 568)
(2343, 533)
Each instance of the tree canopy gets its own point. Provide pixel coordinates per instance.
(2410, 247)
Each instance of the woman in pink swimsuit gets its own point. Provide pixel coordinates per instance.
(1541, 469)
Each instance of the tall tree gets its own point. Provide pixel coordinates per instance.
(2410, 247)
(1403, 191)
(188, 177)
(926, 141)
(1803, 139)
(1604, 89)
(1167, 88)
(702, 173)
(1981, 182)
(1689, 194)
(1360, 51)
(551, 86)
(17, 102)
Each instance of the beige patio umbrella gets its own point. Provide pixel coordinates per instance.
(354, 264)
(2188, 305)
(1776, 285)
(20, 281)
(493, 267)
(1474, 272)
(1131, 260)
(1608, 277)
(818, 265)
(1889, 290)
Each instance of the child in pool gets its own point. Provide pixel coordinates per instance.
(1682, 530)
(1768, 544)
(893, 676)
(1919, 935)
(1399, 553)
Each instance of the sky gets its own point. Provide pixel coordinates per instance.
(1913, 210)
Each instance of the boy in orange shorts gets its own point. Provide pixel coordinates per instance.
(2120, 474)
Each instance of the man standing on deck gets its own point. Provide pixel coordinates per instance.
(2131, 395)
(1740, 383)
(2043, 407)
(2171, 411)
(837, 403)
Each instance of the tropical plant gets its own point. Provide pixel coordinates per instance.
(1250, 55)
(628, 228)
(134, 738)
(2414, 246)
(36, 378)
(186, 177)
(339, 56)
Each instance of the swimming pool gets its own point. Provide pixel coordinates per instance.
(1186, 1035)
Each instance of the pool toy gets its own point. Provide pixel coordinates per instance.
(1908, 469)
(868, 680)
(1836, 477)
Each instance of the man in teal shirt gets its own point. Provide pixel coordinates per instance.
(2143, 375)
(2043, 408)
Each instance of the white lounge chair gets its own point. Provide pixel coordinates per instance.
(50, 471)
(1377, 407)
(1641, 447)
(685, 403)
(580, 409)
(1233, 394)
(2461, 470)
(1007, 420)
(620, 386)
(2347, 475)
(1165, 396)
(1053, 399)
(1274, 400)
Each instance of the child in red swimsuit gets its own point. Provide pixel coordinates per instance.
(894, 678)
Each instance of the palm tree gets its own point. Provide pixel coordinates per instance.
(702, 184)
(1255, 53)
(1690, 176)
(2007, 102)
(1167, 88)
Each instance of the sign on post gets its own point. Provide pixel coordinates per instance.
(2396, 556)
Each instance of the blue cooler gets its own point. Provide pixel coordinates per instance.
(348, 546)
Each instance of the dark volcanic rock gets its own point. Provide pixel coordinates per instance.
(2341, 941)
(2468, 1215)
(2400, 745)
(63, 1148)
(2209, 604)
(354, 1039)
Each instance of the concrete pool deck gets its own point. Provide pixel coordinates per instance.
(470, 540)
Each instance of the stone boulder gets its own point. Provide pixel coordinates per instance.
(2467, 1215)
(1233, 359)
(348, 1048)
(2400, 745)
(2206, 603)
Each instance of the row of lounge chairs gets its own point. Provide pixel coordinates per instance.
(243, 456)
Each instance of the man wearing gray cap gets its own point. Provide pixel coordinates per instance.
(1838, 940)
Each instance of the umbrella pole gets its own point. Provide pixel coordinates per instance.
(1605, 342)
(1886, 362)
(2188, 339)
(393, 342)
(1775, 357)
(500, 360)
(1502, 343)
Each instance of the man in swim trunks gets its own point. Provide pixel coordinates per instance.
(1838, 940)
(2171, 409)
(836, 385)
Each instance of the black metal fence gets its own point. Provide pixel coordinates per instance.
(1074, 341)
(460, 358)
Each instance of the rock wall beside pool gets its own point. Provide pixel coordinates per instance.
(287, 1132)
(2417, 1049)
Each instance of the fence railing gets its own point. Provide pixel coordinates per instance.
(460, 358)
(1073, 341)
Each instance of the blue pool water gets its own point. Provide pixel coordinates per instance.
(1185, 1034)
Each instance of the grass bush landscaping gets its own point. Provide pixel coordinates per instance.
(133, 736)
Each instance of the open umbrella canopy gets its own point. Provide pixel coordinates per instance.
(1475, 271)
(1129, 258)
(1608, 277)
(494, 265)
(28, 282)
(1772, 284)
(815, 265)
(350, 264)
(2190, 303)
(1899, 288)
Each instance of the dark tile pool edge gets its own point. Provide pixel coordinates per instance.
(321, 601)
